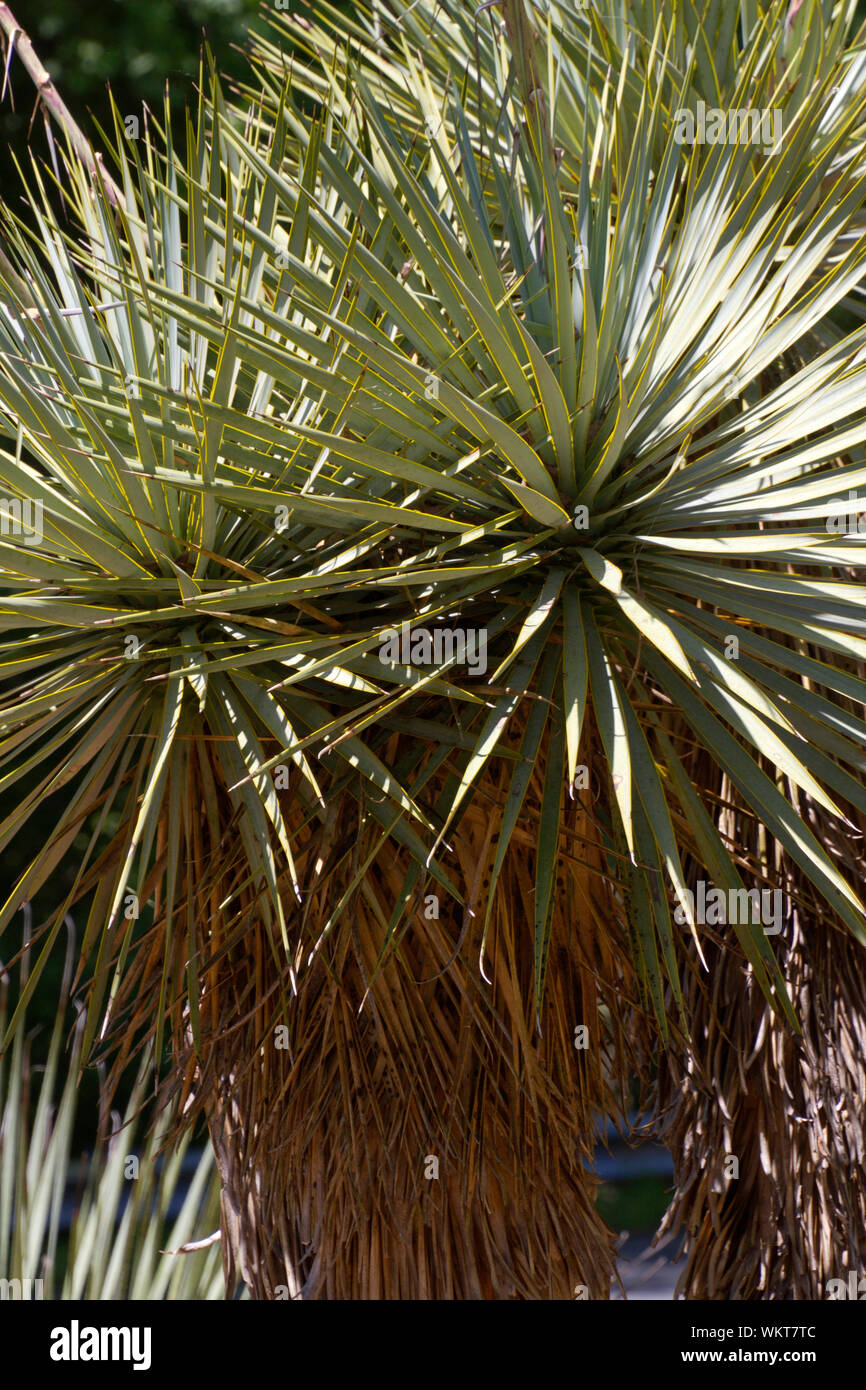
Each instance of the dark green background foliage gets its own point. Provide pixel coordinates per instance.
(135, 45)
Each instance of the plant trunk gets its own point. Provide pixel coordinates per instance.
(788, 1109)
(416, 1133)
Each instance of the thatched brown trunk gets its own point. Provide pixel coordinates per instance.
(417, 1135)
(788, 1108)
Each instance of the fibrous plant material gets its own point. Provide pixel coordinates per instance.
(414, 1129)
(765, 1124)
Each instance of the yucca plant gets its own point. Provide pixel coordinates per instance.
(123, 1192)
(786, 1103)
(344, 392)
